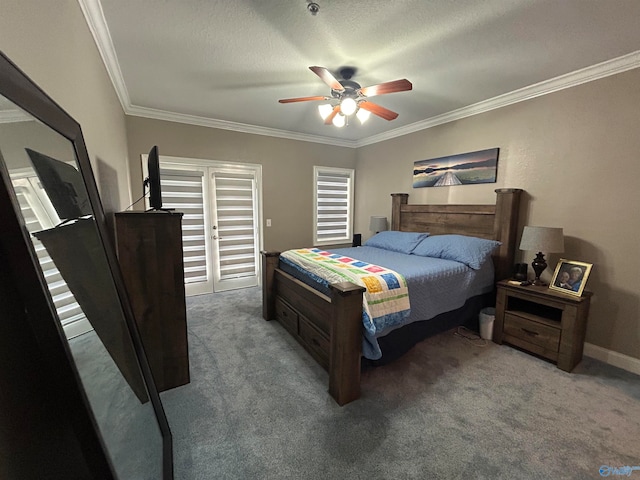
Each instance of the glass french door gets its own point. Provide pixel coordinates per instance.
(221, 222)
(234, 228)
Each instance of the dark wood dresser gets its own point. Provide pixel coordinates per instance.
(149, 247)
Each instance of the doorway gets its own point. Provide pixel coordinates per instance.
(221, 234)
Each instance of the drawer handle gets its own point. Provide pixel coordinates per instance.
(530, 332)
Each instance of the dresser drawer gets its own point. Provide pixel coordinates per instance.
(316, 342)
(287, 316)
(544, 336)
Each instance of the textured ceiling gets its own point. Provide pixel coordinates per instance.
(226, 63)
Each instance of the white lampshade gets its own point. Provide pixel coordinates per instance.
(348, 106)
(363, 115)
(542, 239)
(325, 110)
(378, 224)
(339, 120)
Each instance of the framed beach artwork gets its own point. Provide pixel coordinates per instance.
(570, 276)
(462, 169)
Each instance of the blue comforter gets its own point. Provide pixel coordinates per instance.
(435, 286)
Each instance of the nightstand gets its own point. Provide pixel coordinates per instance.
(545, 322)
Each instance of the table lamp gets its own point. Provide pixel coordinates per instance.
(541, 239)
(378, 224)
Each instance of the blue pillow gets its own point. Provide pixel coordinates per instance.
(472, 251)
(402, 242)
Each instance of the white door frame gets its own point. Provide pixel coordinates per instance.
(182, 163)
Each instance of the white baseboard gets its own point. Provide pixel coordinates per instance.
(616, 359)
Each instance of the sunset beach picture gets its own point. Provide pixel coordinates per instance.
(461, 169)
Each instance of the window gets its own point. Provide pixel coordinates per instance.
(333, 205)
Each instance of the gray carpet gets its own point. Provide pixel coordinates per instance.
(257, 407)
(129, 428)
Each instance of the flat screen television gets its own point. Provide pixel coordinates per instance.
(153, 180)
(63, 184)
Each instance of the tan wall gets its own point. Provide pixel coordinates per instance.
(51, 42)
(287, 169)
(577, 154)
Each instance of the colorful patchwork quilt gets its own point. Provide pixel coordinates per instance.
(386, 301)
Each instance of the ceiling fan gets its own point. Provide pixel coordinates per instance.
(351, 97)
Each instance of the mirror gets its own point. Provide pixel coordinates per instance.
(55, 197)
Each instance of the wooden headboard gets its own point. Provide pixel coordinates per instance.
(498, 222)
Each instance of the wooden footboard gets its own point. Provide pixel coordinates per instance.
(328, 327)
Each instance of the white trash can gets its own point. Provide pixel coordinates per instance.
(487, 316)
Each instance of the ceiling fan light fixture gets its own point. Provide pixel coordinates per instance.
(325, 110)
(349, 97)
(363, 115)
(348, 106)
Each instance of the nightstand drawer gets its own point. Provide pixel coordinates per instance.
(532, 332)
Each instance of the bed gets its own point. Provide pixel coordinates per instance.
(328, 321)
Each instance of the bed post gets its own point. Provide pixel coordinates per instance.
(397, 200)
(346, 342)
(506, 229)
(269, 264)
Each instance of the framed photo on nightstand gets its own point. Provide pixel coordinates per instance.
(570, 276)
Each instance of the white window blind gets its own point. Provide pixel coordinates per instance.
(236, 230)
(37, 217)
(333, 205)
(182, 190)
(220, 227)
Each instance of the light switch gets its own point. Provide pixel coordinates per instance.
(268, 222)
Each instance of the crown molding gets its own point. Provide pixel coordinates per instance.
(236, 127)
(92, 11)
(573, 79)
(94, 15)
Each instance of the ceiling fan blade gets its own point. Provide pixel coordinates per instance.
(327, 78)
(387, 87)
(329, 119)
(302, 99)
(378, 110)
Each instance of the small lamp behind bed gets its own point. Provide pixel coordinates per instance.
(541, 239)
(378, 224)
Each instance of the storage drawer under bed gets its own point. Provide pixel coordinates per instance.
(287, 316)
(315, 341)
